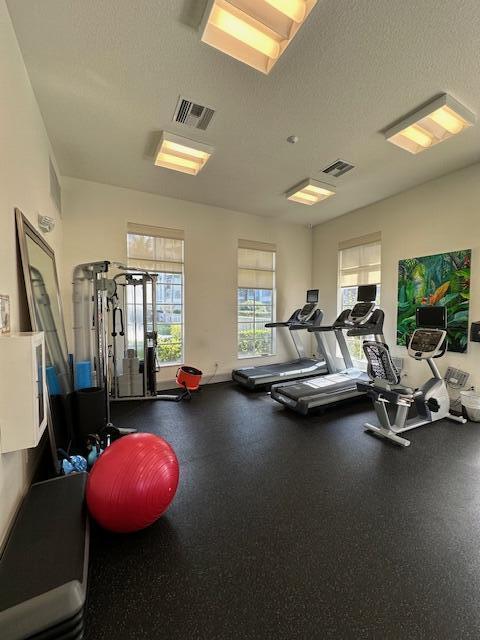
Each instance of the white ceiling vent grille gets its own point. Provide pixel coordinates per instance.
(338, 168)
(192, 114)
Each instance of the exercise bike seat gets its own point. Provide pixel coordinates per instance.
(381, 365)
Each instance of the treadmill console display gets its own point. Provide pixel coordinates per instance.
(312, 295)
(367, 293)
(307, 311)
(426, 343)
(361, 312)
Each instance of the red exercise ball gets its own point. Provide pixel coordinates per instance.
(132, 483)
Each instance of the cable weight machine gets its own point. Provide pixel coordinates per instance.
(116, 334)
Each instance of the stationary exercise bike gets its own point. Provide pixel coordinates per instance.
(431, 400)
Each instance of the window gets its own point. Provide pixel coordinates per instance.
(255, 298)
(161, 251)
(359, 262)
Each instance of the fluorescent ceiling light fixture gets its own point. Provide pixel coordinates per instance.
(437, 121)
(180, 154)
(255, 32)
(310, 192)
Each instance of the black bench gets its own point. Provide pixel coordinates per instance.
(44, 568)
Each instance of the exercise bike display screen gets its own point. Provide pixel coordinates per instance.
(312, 295)
(431, 317)
(426, 340)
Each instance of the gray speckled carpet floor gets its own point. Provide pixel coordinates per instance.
(287, 527)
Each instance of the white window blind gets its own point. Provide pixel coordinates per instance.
(360, 264)
(155, 248)
(256, 268)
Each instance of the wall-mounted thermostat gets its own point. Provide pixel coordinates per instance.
(23, 391)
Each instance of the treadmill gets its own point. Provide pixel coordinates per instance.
(308, 317)
(363, 320)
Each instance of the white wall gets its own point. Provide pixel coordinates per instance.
(24, 183)
(95, 227)
(439, 216)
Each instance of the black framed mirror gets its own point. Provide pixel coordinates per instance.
(45, 310)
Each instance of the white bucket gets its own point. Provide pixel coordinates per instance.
(471, 402)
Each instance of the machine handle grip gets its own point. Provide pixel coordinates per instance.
(269, 325)
(299, 326)
(122, 328)
(363, 330)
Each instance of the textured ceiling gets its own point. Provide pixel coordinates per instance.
(107, 76)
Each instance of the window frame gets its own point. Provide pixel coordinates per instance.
(131, 265)
(182, 323)
(273, 351)
(362, 362)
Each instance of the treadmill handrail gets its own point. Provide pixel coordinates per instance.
(270, 325)
(299, 326)
(363, 330)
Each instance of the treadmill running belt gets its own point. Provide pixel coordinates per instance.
(315, 386)
(278, 372)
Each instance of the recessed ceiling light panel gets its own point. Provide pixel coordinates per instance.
(310, 192)
(180, 154)
(255, 32)
(437, 121)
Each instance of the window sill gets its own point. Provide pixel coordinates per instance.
(163, 365)
(260, 355)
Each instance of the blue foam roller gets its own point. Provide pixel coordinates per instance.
(52, 382)
(83, 374)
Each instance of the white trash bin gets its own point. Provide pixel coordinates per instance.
(471, 402)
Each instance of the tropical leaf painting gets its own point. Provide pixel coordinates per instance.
(442, 279)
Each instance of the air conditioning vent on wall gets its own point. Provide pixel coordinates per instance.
(192, 114)
(338, 168)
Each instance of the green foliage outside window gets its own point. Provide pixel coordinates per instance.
(169, 346)
(258, 342)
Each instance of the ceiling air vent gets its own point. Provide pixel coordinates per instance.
(338, 168)
(192, 114)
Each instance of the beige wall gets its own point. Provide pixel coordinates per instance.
(95, 225)
(24, 183)
(441, 215)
